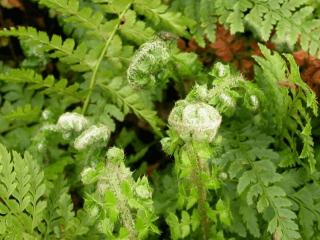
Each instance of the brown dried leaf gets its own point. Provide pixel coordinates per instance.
(11, 4)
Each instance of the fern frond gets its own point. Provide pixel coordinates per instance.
(292, 118)
(308, 146)
(22, 189)
(47, 85)
(79, 57)
(60, 218)
(25, 113)
(250, 217)
(204, 13)
(37, 190)
(85, 17)
(283, 224)
(135, 30)
(259, 185)
(119, 200)
(309, 216)
(129, 100)
(101, 54)
(105, 112)
(292, 20)
(159, 15)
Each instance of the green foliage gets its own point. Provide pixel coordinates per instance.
(22, 189)
(242, 155)
(121, 207)
(247, 166)
(292, 118)
(258, 187)
(204, 13)
(30, 208)
(108, 51)
(47, 86)
(293, 21)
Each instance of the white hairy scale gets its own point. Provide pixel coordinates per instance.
(227, 100)
(254, 101)
(94, 134)
(221, 69)
(46, 114)
(49, 127)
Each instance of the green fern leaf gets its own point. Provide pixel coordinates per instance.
(85, 17)
(158, 13)
(22, 189)
(25, 113)
(204, 14)
(135, 30)
(47, 85)
(249, 216)
(66, 51)
(296, 109)
(60, 218)
(130, 100)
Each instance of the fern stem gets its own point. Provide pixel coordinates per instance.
(202, 196)
(102, 54)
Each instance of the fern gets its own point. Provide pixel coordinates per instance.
(135, 30)
(60, 218)
(22, 189)
(291, 19)
(48, 85)
(204, 13)
(242, 155)
(294, 22)
(128, 99)
(118, 198)
(25, 113)
(64, 50)
(157, 13)
(259, 185)
(80, 57)
(260, 178)
(83, 16)
(295, 111)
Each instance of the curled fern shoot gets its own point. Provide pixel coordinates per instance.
(147, 62)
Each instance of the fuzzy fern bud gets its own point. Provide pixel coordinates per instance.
(93, 136)
(125, 202)
(115, 154)
(195, 121)
(227, 100)
(143, 189)
(148, 61)
(72, 122)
